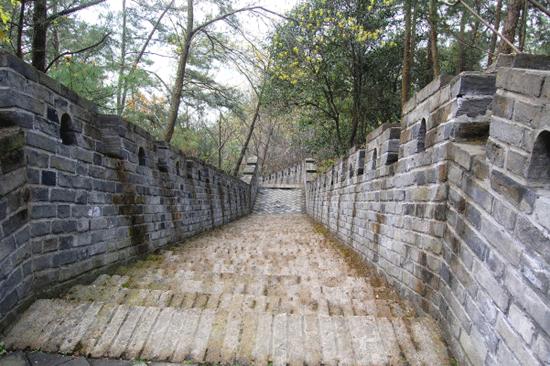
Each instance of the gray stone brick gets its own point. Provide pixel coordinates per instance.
(63, 211)
(504, 215)
(521, 323)
(533, 237)
(59, 163)
(41, 141)
(516, 193)
(43, 211)
(517, 163)
(536, 272)
(529, 300)
(62, 195)
(491, 285)
(525, 113)
(63, 226)
(506, 131)
(501, 241)
(7, 246)
(40, 228)
(503, 106)
(541, 348)
(37, 158)
(15, 221)
(514, 343)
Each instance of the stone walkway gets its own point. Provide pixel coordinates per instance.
(275, 201)
(267, 289)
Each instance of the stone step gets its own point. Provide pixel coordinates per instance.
(225, 336)
(253, 260)
(297, 304)
(186, 281)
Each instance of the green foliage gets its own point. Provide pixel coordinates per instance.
(2, 350)
(339, 63)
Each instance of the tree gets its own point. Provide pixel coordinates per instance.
(191, 30)
(510, 24)
(41, 22)
(407, 55)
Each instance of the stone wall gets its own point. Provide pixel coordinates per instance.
(459, 220)
(82, 192)
(296, 175)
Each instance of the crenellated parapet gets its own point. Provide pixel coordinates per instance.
(458, 219)
(82, 192)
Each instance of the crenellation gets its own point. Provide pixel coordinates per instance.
(468, 228)
(79, 202)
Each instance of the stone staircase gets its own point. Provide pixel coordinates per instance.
(262, 290)
(278, 201)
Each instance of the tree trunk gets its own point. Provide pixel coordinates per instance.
(175, 99)
(523, 26)
(460, 54)
(40, 27)
(512, 16)
(357, 86)
(468, 64)
(55, 42)
(119, 103)
(433, 38)
(20, 30)
(494, 37)
(249, 136)
(406, 76)
(220, 143)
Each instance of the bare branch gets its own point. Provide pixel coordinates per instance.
(76, 52)
(541, 8)
(53, 17)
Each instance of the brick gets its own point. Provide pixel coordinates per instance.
(63, 211)
(541, 348)
(513, 343)
(474, 242)
(60, 163)
(517, 163)
(522, 81)
(487, 306)
(475, 356)
(473, 106)
(501, 241)
(525, 113)
(41, 141)
(515, 192)
(12, 181)
(15, 221)
(532, 237)
(63, 195)
(506, 131)
(503, 106)
(43, 211)
(536, 272)
(63, 226)
(537, 309)
(491, 285)
(504, 215)
(495, 153)
(541, 211)
(521, 323)
(40, 228)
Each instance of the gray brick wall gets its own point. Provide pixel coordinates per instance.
(74, 199)
(460, 222)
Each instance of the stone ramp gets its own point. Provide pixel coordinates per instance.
(279, 201)
(253, 292)
(226, 335)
